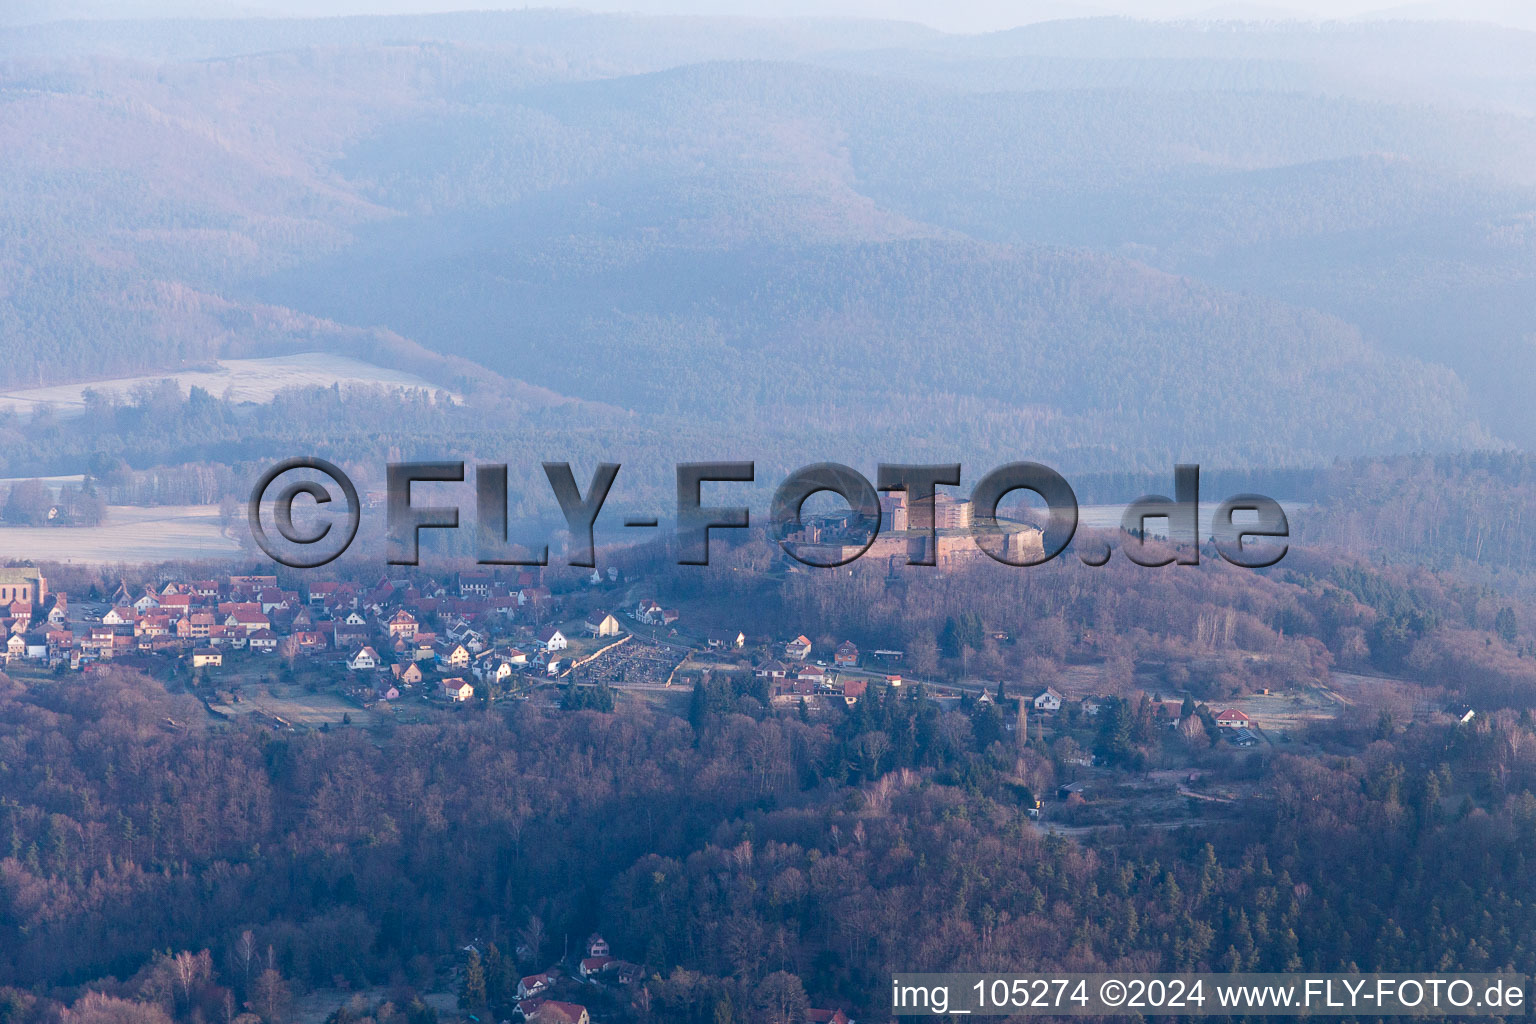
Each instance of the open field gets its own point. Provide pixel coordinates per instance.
(241, 380)
(1401, 699)
(293, 704)
(130, 534)
(1279, 711)
(1283, 711)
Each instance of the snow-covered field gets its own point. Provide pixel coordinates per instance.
(243, 380)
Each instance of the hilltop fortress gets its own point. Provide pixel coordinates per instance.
(902, 541)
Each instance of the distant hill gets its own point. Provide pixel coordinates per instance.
(1111, 241)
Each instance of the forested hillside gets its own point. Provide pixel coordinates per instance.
(732, 857)
(1106, 243)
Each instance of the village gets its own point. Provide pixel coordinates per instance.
(403, 646)
(476, 636)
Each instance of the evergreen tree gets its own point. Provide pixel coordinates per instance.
(1504, 624)
(472, 991)
(698, 707)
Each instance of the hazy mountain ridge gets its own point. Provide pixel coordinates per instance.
(702, 237)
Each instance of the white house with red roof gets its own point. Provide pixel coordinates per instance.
(555, 1012)
(593, 964)
(534, 984)
(248, 620)
(456, 690)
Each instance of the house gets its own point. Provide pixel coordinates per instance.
(1244, 737)
(319, 593)
(847, 654)
(455, 689)
(118, 617)
(812, 674)
(455, 656)
(798, 649)
(248, 620)
(853, 689)
(16, 646)
(402, 624)
(1047, 700)
(461, 632)
(815, 1016)
(274, 600)
(306, 642)
(263, 640)
(593, 964)
(598, 946)
(365, 660)
(345, 637)
(408, 674)
(600, 623)
(207, 657)
(727, 639)
(1232, 719)
(534, 984)
(648, 612)
(475, 584)
(204, 589)
(176, 604)
(771, 670)
(795, 688)
(555, 1012)
(1071, 789)
(534, 595)
(552, 639)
